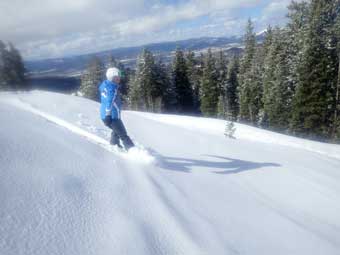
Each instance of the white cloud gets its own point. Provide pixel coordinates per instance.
(274, 14)
(163, 16)
(53, 28)
(36, 19)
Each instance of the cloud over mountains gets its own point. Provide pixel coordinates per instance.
(53, 28)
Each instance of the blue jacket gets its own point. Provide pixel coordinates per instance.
(110, 100)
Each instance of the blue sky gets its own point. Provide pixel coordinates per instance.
(57, 28)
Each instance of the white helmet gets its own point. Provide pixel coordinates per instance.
(112, 72)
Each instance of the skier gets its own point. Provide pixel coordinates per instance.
(110, 109)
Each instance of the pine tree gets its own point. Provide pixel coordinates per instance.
(336, 121)
(4, 80)
(245, 90)
(168, 93)
(134, 97)
(268, 81)
(221, 71)
(194, 66)
(277, 86)
(161, 80)
(314, 98)
(209, 87)
(170, 97)
(4, 67)
(221, 107)
(145, 78)
(231, 91)
(91, 79)
(336, 30)
(12, 70)
(230, 129)
(254, 85)
(181, 82)
(267, 74)
(298, 14)
(147, 82)
(17, 68)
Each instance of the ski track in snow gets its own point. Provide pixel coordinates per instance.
(182, 198)
(139, 155)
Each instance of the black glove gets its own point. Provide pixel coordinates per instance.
(108, 120)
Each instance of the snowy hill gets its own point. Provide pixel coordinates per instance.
(64, 190)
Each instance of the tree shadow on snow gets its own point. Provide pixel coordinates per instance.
(226, 166)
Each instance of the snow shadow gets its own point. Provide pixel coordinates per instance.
(218, 164)
(74, 186)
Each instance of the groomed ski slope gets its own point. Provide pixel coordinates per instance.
(64, 190)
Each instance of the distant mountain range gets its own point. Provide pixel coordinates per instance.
(73, 66)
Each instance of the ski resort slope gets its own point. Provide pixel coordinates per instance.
(64, 190)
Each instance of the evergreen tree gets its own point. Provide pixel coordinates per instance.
(268, 98)
(4, 67)
(277, 86)
(194, 66)
(181, 82)
(168, 92)
(161, 80)
(221, 107)
(91, 79)
(221, 71)
(230, 129)
(231, 90)
(267, 74)
(209, 87)
(17, 68)
(298, 14)
(134, 97)
(314, 98)
(147, 82)
(336, 121)
(336, 29)
(245, 90)
(254, 87)
(144, 78)
(12, 70)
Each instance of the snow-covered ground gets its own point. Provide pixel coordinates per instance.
(64, 190)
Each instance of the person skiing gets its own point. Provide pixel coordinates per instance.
(110, 109)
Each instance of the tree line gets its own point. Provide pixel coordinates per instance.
(12, 70)
(289, 82)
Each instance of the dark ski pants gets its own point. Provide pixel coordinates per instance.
(119, 134)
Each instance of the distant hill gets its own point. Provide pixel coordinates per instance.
(72, 66)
